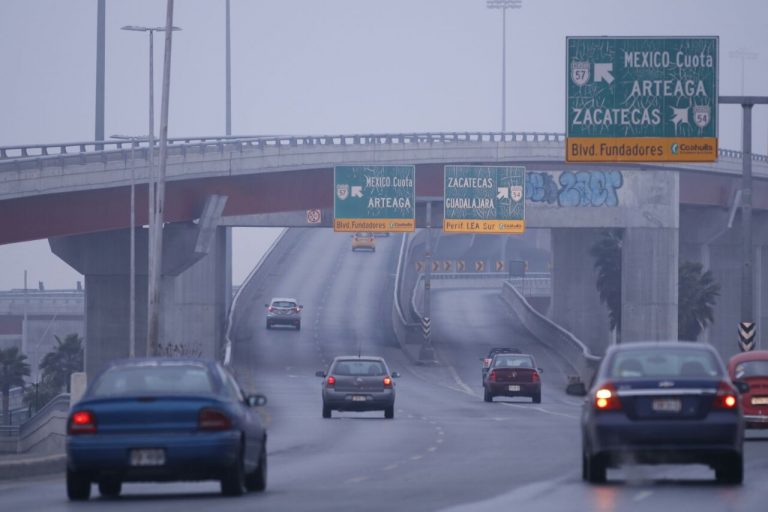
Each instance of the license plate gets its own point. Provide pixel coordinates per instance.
(358, 398)
(514, 388)
(148, 457)
(667, 405)
(760, 400)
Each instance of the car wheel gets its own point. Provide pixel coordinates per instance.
(584, 471)
(269, 325)
(234, 479)
(298, 326)
(536, 398)
(731, 471)
(596, 469)
(389, 412)
(326, 411)
(257, 481)
(487, 396)
(110, 488)
(78, 486)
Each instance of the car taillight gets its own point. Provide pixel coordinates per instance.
(213, 419)
(726, 397)
(296, 310)
(387, 382)
(535, 377)
(270, 309)
(492, 376)
(606, 398)
(486, 362)
(82, 422)
(331, 381)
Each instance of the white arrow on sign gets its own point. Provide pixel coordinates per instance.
(603, 71)
(503, 193)
(357, 191)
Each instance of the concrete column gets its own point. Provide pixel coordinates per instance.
(649, 284)
(196, 290)
(576, 304)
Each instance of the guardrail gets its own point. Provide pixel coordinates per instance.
(44, 432)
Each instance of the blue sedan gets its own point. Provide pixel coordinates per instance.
(662, 403)
(164, 420)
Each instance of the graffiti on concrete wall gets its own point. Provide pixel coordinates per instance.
(574, 189)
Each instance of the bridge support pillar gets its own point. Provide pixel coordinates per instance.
(196, 290)
(649, 284)
(576, 304)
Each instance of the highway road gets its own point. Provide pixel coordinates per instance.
(445, 449)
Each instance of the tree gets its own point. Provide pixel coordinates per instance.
(607, 254)
(13, 369)
(697, 291)
(62, 361)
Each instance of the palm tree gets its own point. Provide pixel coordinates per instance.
(13, 369)
(607, 254)
(697, 291)
(62, 361)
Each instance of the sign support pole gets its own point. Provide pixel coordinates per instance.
(427, 352)
(747, 271)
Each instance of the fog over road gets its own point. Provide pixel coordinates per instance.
(445, 449)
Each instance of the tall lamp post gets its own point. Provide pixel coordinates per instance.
(154, 228)
(132, 286)
(504, 5)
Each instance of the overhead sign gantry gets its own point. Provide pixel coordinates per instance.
(641, 99)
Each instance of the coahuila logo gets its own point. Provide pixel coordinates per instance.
(675, 148)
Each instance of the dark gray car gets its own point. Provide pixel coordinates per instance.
(358, 383)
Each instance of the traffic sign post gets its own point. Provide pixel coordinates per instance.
(379, 198)
(483, 199)
(641, 99)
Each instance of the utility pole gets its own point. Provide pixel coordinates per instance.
(100, 52)
(504, 5)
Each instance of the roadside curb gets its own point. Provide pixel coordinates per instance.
(21, 468)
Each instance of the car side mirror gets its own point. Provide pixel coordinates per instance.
(319, 373)
(576, 389)
(395, 375)
(301, 306)
(540, 370)
(741, 385)
(256, 400)
(266, 305)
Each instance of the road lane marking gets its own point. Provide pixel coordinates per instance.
(356, 480)
(432, 448)
(390, 467)
(417, 457)
(641, 495)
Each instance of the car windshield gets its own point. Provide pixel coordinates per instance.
(746, 369)
(664, 363)
(359, 368)
(511, 361)
(153, 380)
(283, 304)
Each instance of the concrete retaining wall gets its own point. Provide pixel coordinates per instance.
(573, 351)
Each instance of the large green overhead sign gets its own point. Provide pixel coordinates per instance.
(649, 99)
(482, 199)
(374, 198)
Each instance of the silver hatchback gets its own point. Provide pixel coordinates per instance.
(284, 311)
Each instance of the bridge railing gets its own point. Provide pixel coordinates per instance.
(37, 151)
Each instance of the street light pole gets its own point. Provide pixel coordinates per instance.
(742, 54)
(504, 5)
(229, 79)
(132, 273)
(155, 224)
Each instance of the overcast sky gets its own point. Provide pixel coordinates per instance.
(329, 67)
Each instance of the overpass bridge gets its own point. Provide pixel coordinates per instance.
(78, 196)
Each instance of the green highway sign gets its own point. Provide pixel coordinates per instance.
(483, 199)
(374, 198)
(641, 99)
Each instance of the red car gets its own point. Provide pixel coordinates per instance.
(513, 375)
(752, 368)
